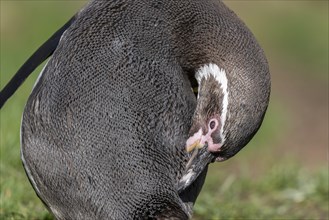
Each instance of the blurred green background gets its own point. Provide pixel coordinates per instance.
(281, 174)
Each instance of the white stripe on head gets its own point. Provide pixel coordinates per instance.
(220, 76)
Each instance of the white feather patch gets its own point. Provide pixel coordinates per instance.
(187, 177)
(220, 76)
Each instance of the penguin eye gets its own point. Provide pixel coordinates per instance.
(212, 124)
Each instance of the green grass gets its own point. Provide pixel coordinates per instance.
(25, 25)
(284, 192)
(260, 182)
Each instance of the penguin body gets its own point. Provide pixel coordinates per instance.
(105, 128)
(103, 131)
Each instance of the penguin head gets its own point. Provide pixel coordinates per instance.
(231, 103)
(224, 121)
(230, 109)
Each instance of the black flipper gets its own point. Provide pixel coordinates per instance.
(42, 53)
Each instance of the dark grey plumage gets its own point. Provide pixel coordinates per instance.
(105, 128)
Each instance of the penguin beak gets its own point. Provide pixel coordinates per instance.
(199, 160)
(195, 145)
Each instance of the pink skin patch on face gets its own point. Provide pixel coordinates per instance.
(212, 126)
(198, 140)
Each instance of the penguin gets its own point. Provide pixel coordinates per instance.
(112, 128)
